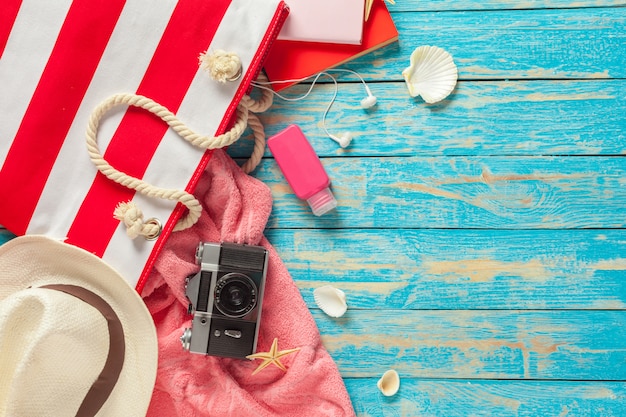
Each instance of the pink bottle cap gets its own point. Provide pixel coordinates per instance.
(322, 202)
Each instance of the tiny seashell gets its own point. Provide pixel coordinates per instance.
(331, 300)
(389, 383)
(432, 74)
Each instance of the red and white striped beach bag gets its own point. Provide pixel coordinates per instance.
(114, 73)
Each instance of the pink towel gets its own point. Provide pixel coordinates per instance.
(237, 207)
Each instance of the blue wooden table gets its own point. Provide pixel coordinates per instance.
(480, 241)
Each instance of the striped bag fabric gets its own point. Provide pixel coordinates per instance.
(97, 96)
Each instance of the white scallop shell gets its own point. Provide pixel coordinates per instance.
(331, 300)
(389, 383)
(432, 74)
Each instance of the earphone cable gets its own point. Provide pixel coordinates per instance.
(263, 86)
(330, 104)
(366, 103)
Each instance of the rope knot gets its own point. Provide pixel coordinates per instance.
(222, 66)
(132, 217)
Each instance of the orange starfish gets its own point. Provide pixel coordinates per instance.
(273, 356)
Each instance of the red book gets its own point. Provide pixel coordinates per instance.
(289, 60)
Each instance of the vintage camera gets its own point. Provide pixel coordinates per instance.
(225, 300)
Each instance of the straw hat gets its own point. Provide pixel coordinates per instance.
(75, 338)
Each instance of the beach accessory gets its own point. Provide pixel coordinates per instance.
(367, 102)
(389, 383)
(432, 74)
(327, 21)
(237, 207)
(271, 357)
(149, 88)
(302, 169)
(309, 58)
(330, 300)
(76, 339)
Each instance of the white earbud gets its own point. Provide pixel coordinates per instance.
(343, 140)
(369, 101)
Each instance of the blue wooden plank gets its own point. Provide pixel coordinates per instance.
(489, 344)
(479, 118)
(443, 5)
(460, 269)
(484, 193)
(463, 398)
(514, 44)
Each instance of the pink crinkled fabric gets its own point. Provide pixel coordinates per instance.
(236, 209)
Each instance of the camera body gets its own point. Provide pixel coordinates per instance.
(225, 299)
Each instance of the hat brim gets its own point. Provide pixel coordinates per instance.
(34, 261)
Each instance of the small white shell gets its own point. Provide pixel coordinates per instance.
(331, 300)
(432, 74)
(389, 383)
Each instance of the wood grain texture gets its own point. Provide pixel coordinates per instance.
(460, 269)
(488, 344)
(474, 398)
(479, 118)
(463, 192)
(581, 43)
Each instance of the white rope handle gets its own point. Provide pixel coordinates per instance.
(128, 212)
(222, 66)
(257, 106)
(264, 102)
(259, 143)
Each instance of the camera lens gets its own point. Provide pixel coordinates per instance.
(235, 295)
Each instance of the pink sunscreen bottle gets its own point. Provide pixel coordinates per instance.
(302, 168)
